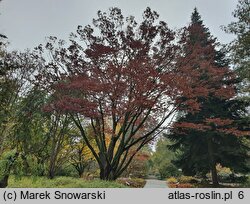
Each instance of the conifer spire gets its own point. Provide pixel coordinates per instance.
(195, 17)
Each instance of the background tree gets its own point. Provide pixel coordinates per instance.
(240, 50)
(162, 160)
(13, 80)
(31, 137)
(16, 73)
(58, 131)
(138, 168)
(80, 155)
(240, 46)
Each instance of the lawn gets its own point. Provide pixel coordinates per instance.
(60, 182)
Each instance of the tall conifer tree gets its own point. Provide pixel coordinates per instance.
(207, 137)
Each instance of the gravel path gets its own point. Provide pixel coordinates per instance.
(153, 183)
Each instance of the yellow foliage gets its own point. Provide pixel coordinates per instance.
(186, 179)
(86, 152)
(172, 180)
(220, 169)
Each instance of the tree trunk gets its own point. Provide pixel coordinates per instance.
(4, 181)
(26, 166)
(106, 171)
(107, 174)
(214, 175)
(80, 168)
(80, 174)
(52, 164)
(56, 147)
(212, 163)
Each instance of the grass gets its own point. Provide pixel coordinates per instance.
(60, 182)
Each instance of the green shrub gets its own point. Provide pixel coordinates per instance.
(246, 184)
(238, 178)
(168, 170)
(27, 165)
(7, 161)
(67, 171)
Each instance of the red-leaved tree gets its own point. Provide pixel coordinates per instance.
(125, 81)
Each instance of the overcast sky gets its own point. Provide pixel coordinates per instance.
(26, 23)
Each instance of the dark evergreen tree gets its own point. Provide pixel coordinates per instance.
(207, 137)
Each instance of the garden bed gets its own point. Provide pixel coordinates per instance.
(132, 182)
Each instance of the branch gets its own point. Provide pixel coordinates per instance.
(78, 124)
(153, 130)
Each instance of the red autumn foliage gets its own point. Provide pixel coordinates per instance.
(132, 75)
(189, 125)
(219, 121)
(218, 124)
(205, 79)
